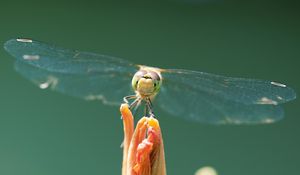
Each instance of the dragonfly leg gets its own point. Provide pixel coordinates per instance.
(146, 110)
(136, 108)
(134, 105)
(127, 98)
(149, 107)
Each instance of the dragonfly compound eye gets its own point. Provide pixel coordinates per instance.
(137, 76)
(156, 80)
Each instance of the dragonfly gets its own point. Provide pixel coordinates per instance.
(192, 95)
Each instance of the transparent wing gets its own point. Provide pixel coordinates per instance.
(80, 74)
(217, 99)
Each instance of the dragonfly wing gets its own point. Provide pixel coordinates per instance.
(241, 90)
(80, 74)
(216, 99)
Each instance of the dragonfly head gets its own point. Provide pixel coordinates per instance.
(146, 82)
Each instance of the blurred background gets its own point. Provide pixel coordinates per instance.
(47, 133)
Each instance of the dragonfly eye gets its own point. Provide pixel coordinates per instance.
(154, 75)
(136, 78)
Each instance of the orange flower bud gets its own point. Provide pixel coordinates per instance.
(143, 151)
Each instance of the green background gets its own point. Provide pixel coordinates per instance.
(47, 133)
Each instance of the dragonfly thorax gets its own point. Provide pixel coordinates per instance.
(146, 83)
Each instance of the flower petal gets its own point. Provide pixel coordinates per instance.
(128, 125)
(137, 138)
(143, 152)
(158, 154)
